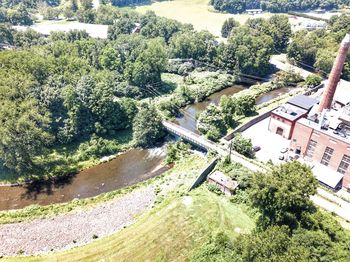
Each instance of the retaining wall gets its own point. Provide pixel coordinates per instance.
(204, 174)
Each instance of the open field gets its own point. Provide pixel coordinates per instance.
(196, 12)
(172, 231)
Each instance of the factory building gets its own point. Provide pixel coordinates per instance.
(320, 131)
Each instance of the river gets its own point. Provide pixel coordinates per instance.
(188, 119)
(126, 169)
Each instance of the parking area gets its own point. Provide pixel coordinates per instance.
(270, 143)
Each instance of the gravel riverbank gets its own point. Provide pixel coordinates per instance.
(74, 229)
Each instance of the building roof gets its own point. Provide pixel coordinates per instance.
(342, 93)
(326, 175)
(223, 180)
(303, 101)
(289, 112)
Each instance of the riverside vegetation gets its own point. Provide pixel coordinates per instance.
(70, 89)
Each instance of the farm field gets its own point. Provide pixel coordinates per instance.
(196, 12)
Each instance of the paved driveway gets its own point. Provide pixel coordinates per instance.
(270, 143)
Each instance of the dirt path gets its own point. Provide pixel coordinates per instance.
(78, 228)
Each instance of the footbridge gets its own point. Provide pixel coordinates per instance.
(206, 144)
(191, 137)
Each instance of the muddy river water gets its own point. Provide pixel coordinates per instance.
(188, 119)
(126, 169)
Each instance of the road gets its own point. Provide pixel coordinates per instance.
(279, 62)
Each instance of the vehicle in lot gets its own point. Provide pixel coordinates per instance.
(256, 148)
(284, 150)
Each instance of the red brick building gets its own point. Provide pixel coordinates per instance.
(323, 137)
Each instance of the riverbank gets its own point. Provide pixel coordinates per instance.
(67, 160)
(36, 211)
(93, 218)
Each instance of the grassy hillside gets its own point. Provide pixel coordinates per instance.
(169, 232)
(196, 12)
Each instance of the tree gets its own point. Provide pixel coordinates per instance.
(123, 25)
(147, 126)
(149, 64)
(272, 245)
(247, 53)
(280, 30)
(243, 145)
(110, 59)
(211, 122)
(283, 195)
(24, 130)
(313, 80)
(227, 27)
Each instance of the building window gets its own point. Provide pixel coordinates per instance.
(344, 164)
(327, 156)
(311, 149)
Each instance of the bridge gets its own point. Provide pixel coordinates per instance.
(206, 144)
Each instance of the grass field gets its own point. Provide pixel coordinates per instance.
(170, 232)
(196, 12)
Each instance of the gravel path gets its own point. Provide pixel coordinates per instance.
(74, 229)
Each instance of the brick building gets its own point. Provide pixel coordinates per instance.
(321, 136)
(284, 118)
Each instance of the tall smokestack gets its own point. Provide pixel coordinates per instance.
(334, 77)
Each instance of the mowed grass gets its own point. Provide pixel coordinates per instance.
(170, 232)
(199, 13)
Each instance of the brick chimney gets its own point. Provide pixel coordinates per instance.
(335, 74)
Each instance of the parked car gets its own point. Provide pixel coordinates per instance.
(256, 148)
(281, 157)
(284, 150)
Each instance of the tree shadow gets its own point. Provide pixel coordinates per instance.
(38, 186)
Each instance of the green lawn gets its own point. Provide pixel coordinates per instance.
(196, 12)
(172, 231)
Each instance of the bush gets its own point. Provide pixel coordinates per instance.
(176, 151)
(214, 188)
(313, 80)
(97, 147)
(243, 146)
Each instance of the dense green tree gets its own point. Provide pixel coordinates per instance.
(28, 38)
(243, 145)
(19, 16)
(272, 245)
(110, 59)
(195, 45)
(227, 27)
(123, 25)
(147, 126)
(24, 126)
(211, 122)
(149, 64)
(247, 53)
(6, 34)
(283, 195)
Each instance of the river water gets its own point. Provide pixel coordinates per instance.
(126, 169)
(188, 119)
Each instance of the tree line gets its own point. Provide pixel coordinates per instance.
(317, 50)
(275, 6)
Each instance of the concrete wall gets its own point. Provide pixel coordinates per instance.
(204, 174)
(248, 124)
